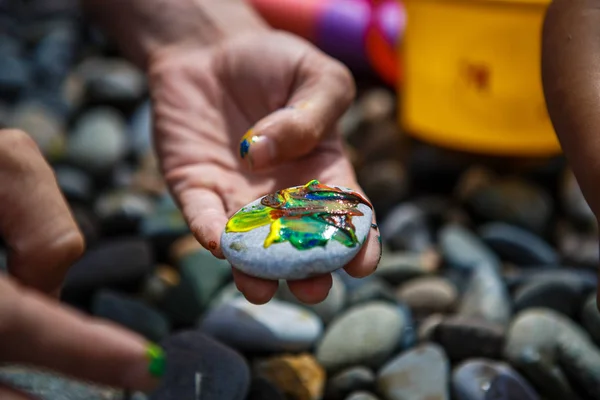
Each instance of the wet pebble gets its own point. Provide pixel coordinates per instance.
(428, 295)
(483, 379)
(193, 356)
(281, 260)
(398, 267)
(420, 373)
(516, 245)
(367, 334)
(275, 326)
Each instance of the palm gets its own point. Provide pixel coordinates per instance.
(205, 100)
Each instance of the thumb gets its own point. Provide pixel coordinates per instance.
(322, 92)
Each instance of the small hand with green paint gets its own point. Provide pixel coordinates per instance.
(252, 115)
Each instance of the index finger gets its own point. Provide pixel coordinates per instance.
(38, 331)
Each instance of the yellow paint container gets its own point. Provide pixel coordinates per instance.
(473, 76)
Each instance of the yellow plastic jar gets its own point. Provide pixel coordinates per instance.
(473, 77)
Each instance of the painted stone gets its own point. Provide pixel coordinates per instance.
(297, 233)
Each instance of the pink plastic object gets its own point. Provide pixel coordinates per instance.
(363, 34)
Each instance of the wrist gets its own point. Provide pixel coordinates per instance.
(144, 27)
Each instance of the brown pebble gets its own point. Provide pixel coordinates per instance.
(428, 295)
(299, 377)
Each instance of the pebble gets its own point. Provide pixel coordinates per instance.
(54, 55)
(585, 278)
(262, 389)
(98, 141)
(384, 182)
(361, 396)
(577, 248)
(272, 327)
(15, 75)
(428, 295)
(158, 284)
(511, 200)
(112, 81)
(486, 297)
(462, 249)
(420, 374)
(464, 338)
(518, 246)
(406, 228)
(367, 335)
(120, 264)
(558, 293)
(140, 128)
(299, 377)
(327, 309)
(191, 356)
(74, 183)
(121, 211)
(580, 360)
(372, 289)
(43, 126)
(531, 346)
(482, 379)
(398, 267)
(201, 276)
(590, 317)
(132, 314)
(353, 379)
(48, 386)
(246, 251)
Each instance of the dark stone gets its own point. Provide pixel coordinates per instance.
(117, 264)
(371, 290)
(262, 389)
(406, 228)
(200, 367)
(132, 314)
(557, 293)
(350, 380)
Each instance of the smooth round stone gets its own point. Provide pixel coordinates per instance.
(398, 267)
(47, 386)
(462, 249)
(373, 289)
(247, 252)
(366, 334)
(132, 314)
(482, 379)
(223, 296)
(200, 367)
(384, 180)
(420, 373)
(298, 376)
(327, 309)
(585, 278)
(406, 228)
(74, 183)
(563, 295)
(580, 360)
(98, 141)
(340, 385)
(42, 125)
(361, 396)
(518, 246)
(577, 248)
(55, 53)
(272, 327)
(464, 338)
(486, 297)
(15, 75)
(428, 295)
(590, 317)
(532, 346)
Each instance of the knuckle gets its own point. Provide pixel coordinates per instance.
(16, 139)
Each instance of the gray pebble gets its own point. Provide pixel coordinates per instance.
(361, 396)
(45, 127)
(558, 293)
(112, 80)
(406, 228)
(340, 385)
(47, 386)
(483, 379)
(486, 297)
(247, 252)
(590, 317)
(327, 309)
(518, 246)
(366, 334)
(580, 360)
(420, 374)
(463, 249)
(74, 183)
(98, 141)
(372, 289)
(398, 267)
(272, 327)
